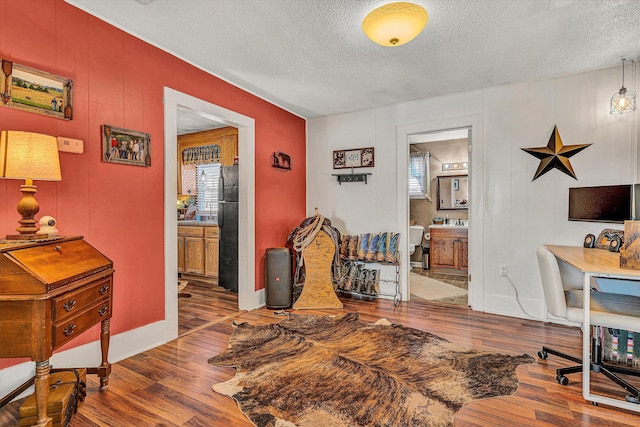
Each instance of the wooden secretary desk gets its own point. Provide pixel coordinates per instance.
(50, 292)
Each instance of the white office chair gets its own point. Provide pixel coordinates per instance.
(564, 300)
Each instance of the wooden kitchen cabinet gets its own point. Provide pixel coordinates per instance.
(211, 252)
(449, 249)
(198, 252)
(180, 254)
(194, 255)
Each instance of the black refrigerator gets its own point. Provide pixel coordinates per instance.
(228, 225)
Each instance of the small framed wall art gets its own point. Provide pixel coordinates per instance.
(355, 158)
(28, 89)
(127, 147)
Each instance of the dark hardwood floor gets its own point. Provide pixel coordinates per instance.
(171, 385)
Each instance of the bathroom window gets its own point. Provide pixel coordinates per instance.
(419, 179)
(207, 194)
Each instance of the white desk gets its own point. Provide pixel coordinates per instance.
(594, 263)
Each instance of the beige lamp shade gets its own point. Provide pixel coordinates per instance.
(395, 24)
(27, 155)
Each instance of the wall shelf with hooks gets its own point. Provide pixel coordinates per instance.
(351, 177)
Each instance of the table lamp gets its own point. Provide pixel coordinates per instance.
(28, 156)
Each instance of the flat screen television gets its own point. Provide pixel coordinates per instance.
(608, 203)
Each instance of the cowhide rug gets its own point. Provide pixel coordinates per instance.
(341, 371)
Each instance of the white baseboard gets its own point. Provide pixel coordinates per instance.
(121, 346)
(508, 306)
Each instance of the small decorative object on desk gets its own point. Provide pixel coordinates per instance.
(606, 236)
(48, 226)
(630, 250)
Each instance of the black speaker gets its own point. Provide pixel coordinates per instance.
(589, 241)
(277, 278)
(615, 243)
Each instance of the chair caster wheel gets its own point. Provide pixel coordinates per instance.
(594, 403)
(562, 379)
(632, 399)
(542, 354)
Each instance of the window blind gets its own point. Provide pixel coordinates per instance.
(207, 195)
(419, 179)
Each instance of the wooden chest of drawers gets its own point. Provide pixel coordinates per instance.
(50, 292)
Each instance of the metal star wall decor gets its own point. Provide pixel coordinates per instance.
(555, 155)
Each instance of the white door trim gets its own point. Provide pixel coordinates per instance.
(476, 211)
(248, 297)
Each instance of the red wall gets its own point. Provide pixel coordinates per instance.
(119, 80)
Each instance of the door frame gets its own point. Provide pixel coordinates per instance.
(248, 297)
(476, 212)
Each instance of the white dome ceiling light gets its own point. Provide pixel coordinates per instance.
(395, 24)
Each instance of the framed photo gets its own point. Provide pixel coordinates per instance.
(28, 89)
(356, 158)
(127, 147)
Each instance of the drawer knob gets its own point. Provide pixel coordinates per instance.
(103, 289)
(69, 329)
(58, 248)
(69, 305)
(103, 310)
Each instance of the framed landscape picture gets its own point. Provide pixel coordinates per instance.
(127, 147)
(36, 91)
(356, 158)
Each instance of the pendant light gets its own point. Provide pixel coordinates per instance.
(624, 100)
(395, 24)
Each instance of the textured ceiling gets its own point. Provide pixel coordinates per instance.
(191, 121)
(311, 57)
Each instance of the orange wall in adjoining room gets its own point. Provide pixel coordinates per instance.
(119, 80)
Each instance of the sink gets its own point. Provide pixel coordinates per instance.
(452, 225)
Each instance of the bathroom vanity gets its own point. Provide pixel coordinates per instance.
(449, 248)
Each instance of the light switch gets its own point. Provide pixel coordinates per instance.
(70, 145)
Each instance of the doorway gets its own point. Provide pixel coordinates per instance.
(248, 297)
(474, 125)
(438, 204)
(207, 149)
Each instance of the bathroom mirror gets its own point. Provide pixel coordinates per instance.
(453, 192)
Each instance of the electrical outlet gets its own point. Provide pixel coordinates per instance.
(503, 270)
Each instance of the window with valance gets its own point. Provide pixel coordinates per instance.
(194, 161)
(201, 155)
